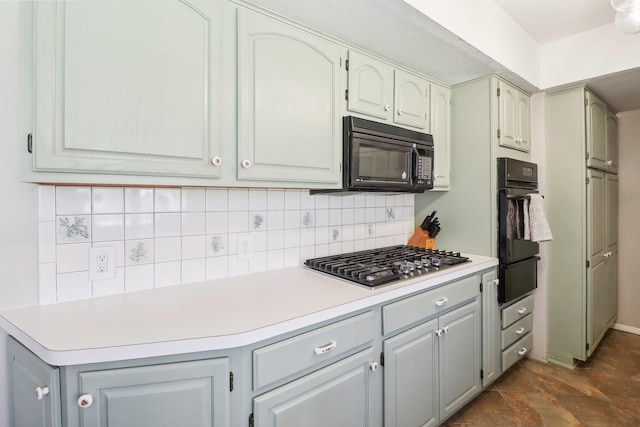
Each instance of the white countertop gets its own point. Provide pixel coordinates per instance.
(211, 315)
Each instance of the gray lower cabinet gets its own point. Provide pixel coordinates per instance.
(194, 393)
(517, 335)
(35, 388)
(434, 368)
(340, 394)
(491, 329)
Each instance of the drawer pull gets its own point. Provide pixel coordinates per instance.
(441, 302)
(523, 310)
(325, 348)
(519, 331)
(523, 351)
(373, 366)
(41, 392)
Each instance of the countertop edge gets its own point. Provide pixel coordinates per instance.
(229, 342)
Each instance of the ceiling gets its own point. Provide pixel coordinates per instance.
(395, 30)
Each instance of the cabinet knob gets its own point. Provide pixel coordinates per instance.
(445, 329)
(439, 332)
(85, 401)
(387, 107)
(441, 302)
(400, 112)
(522, 310)
(522, 351)
(496, 281)
(41, 392)
(609, 162)
(373, 366)
(246, 164)
(216, 161)
(519, 331)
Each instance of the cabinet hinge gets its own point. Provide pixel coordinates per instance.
(230, 381)
(587, 346)
(586, 102)
(382, 359)
(587, 180)
(587, 155)
(481, 374)
(251, 420)
(30, 143)
(588, 264)
(498, 133)
(480, 286)
(346, 64)
(346, 94)
(498, 91)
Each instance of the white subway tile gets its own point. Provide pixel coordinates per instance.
(348, 232)
(216, 245)
(168, 200)
(307, 201)
(46, 203)
(138, 226)
(46, 242)
(322, 217)
(359, 216)
(380, 214)
(291, 199)
(73, 286)
(233, 243)
(139, 251)
(138, 200)
(217, 200)
(259, 239)
(238, 199)
(381, 200)
(335, 248)
(322, 201)
(258, 262)
(322, 250)
(349, 201)
(168, 224)
(335, 217)
(370, 200)
(347, 216)
(216, 223)
(73, 229)
(193, 270)
(360, 201)
(348, 246)
(291, 219)
(275, 199)
(307, 219)
(107, 200)
(292, 238)
(216, 267)
(237, 267)
(72, 258)
(238, 222)
(107, 227)
(275, 259)
(193, 200)
(138, 277)
(193, 223)
(275, 239)
(73, 200)
(275, 220)
(307, 236)
(257, 200)
(335, 202)
(167, 249)
(258, 220)
(193, 247)
(322, 235)
(167, 273)
(335, 234)
(47, 283)
(307, 252)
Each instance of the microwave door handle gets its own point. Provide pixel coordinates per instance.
(414, 169)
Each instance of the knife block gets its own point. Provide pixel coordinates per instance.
(421, 239)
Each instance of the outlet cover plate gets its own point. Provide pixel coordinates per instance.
(245, 247)
(102, 263)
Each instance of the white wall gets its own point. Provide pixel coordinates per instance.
(628, 226)
(18, 214)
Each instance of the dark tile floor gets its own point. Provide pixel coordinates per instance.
(603, 391)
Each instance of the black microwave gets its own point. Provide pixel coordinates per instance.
(381, 157)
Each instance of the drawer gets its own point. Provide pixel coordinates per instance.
(517, 311)
(517, 330)
(405, 312)
(517, 351)
(282, 359)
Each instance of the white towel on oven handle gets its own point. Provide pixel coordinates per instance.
(540, 231)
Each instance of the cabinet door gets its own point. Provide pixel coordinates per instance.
(178, 394)
(288, 94)
(611, 247)
(459, 357)
(441, 131)
(127, 87)
(596, 112)
(411, 100)
(370, 86)
(596, 305)
(611, 126)
(338, 395)
(491, 328)
(523, 122)
(507, 119)
(34, 388)
(411, 377)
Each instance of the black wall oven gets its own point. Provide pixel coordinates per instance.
(518, 256)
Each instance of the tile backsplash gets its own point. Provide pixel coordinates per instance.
(168, 236)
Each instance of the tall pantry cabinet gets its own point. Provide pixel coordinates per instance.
(582, 202)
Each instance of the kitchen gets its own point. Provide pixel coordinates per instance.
(19, 286)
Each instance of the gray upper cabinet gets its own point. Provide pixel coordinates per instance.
(611, 142)
(35, 389)
(289, 126)
(379, 90)
(514, 118)
(192, 393)
(127, 87)
(596, 116)
(370, 86)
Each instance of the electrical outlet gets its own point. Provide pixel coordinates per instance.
(245, 247)
(102, 263)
